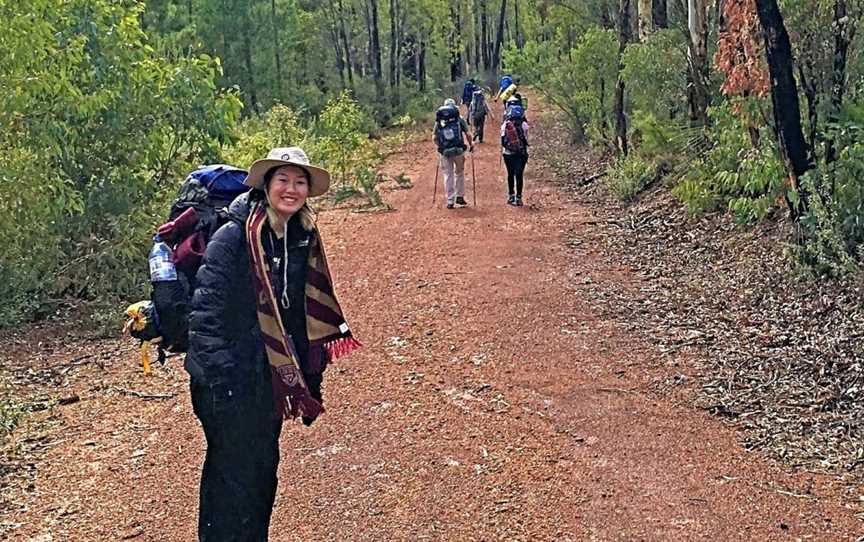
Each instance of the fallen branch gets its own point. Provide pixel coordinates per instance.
(146, 396)
(585, 181)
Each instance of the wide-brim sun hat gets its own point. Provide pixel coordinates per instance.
(319, 178)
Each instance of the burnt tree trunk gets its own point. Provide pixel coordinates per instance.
(393, 67)
(375, 46)
(346, 46)
(519, 42)
(618, 108)
(784, 98)
(478, 53)
(844, 31)
(496, 54)
(421, 65)
(484, 30)
(659, 14)
(277, 52)
(455, 41)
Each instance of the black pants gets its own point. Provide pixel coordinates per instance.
(515, 172)
(479, 124)
(238, 481)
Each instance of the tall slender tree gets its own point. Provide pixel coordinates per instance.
(496, 54)
(784, 98)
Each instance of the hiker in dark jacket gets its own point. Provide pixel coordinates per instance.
(263, 326)
(514, 147)
(467, 93)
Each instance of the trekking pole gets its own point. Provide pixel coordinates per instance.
(435, 189)
(474, 179)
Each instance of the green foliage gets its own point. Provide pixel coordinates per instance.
(279, 127)
(834, 225)
(11, 413)
(582, 85)
(403, 181)
(749, 180)
(827, 247)
(629, 175)
(653, 74)
(531, 61)
(93, 127)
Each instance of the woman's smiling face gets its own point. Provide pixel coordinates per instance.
(288, 189)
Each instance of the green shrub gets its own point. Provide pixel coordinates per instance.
(110, 126)
(629, 175)
(11, 413)
(747, 180)
(652, 72)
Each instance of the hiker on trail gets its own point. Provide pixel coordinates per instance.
(506, 88)
(477, 112)
(514, 147)
(264, 324)
(468, 93)
(450, 135)
(515, 99)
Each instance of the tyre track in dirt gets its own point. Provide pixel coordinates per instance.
(490, 403)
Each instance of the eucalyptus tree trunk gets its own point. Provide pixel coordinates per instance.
(697, 59)
(646, 18)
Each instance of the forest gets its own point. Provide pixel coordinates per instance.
(747, 107)
(663, 343)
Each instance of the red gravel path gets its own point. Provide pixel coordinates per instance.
(490, 403)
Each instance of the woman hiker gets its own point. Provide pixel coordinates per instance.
(514, 147)
(264, 323)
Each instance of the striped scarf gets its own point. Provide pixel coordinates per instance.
(329, 335)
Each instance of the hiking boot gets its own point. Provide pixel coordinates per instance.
(518, 201)
(511, 200)
(461, 201)
(449, 205)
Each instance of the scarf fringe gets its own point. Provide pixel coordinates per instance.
(288, 403)
(342, 347)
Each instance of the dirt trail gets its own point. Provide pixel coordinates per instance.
(490, 403)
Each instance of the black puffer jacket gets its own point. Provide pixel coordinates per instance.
(226, 347)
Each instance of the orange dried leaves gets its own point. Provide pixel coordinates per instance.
(739, 54)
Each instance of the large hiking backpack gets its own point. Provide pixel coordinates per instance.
(448, 131)
(478, 105)
(513, 139)
(199, 210)
(468, 91)
(505, 83)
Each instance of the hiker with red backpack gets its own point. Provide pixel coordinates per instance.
(264, 323)
(450, 135)
(514, 148)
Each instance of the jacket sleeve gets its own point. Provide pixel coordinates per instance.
(209, 337)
